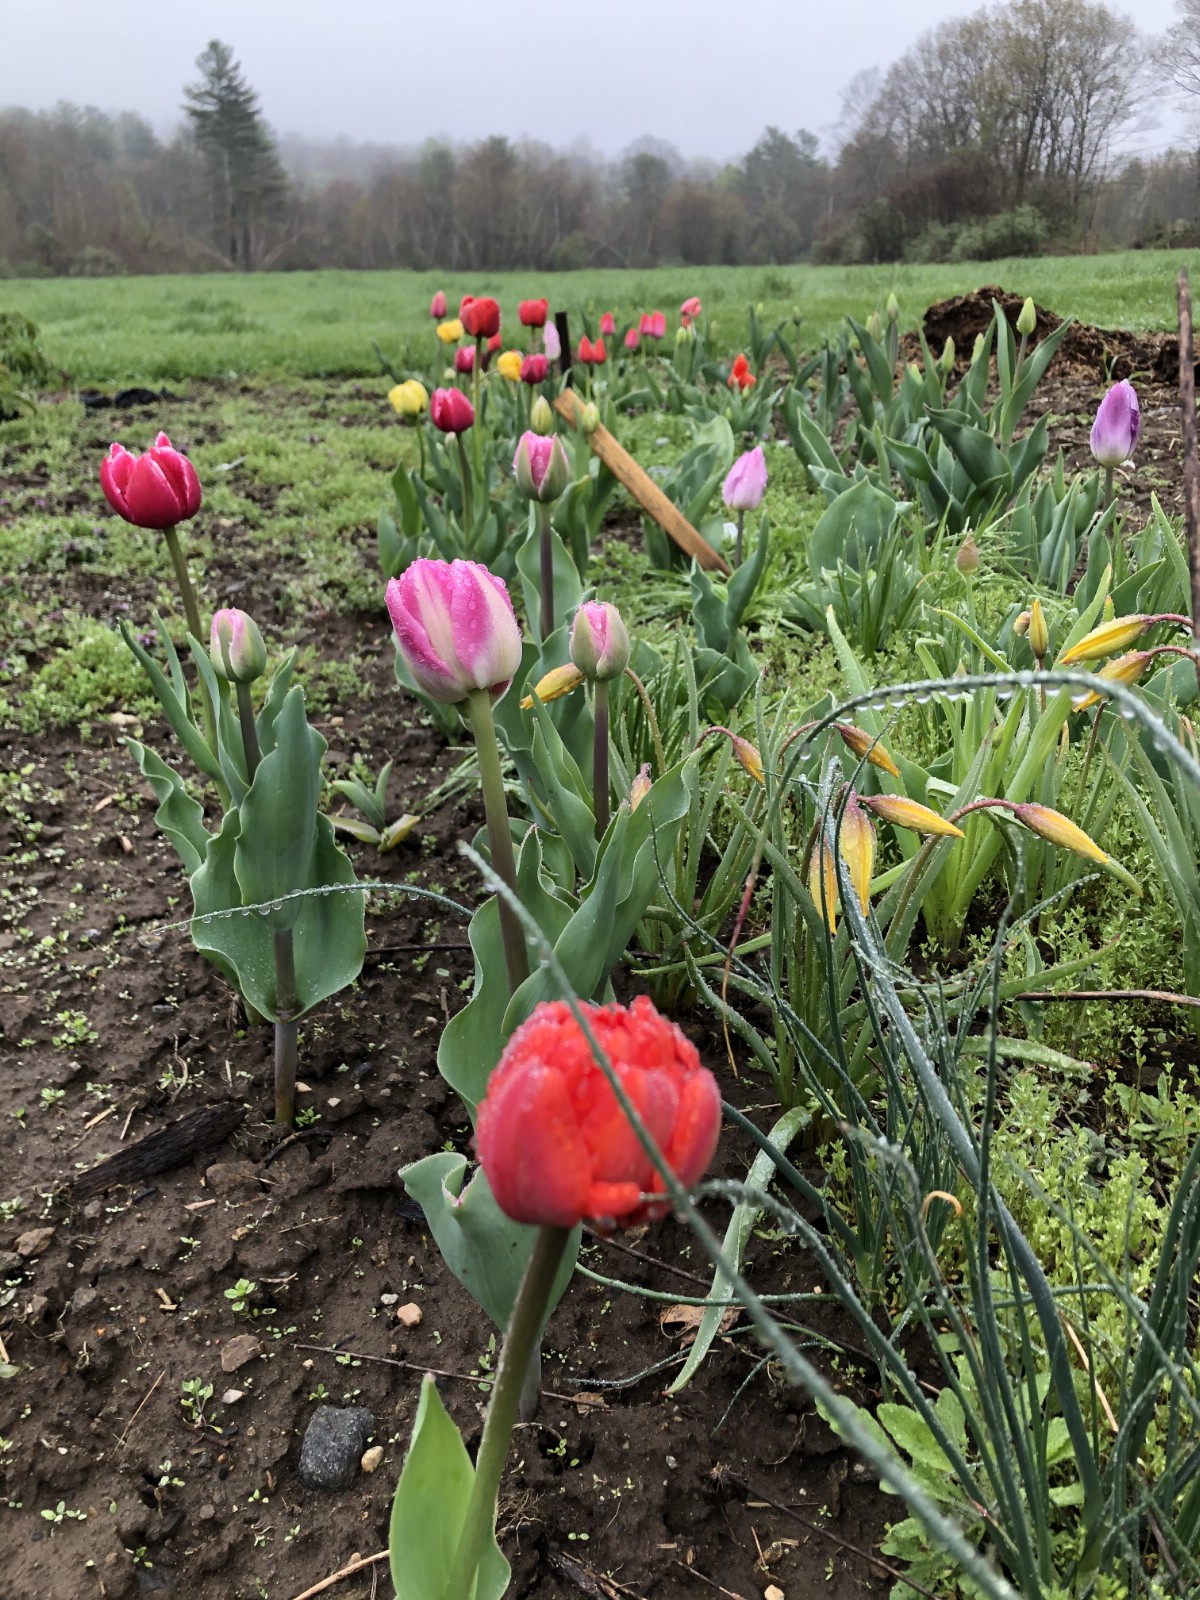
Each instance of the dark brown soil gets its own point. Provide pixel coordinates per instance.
(109, 1487)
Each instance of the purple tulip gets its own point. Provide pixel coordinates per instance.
(1117, 425)
(747, 481)
(551, 343)
(599, 641)
(456, 628)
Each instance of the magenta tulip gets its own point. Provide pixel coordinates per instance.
(607, 326)
(450, 411)
(437, 306)
(456, 628)
(534, 369)
(540, 467)
(154, 490)
(632, 339)
(1117, 425)
(746, 482)
(464, 358)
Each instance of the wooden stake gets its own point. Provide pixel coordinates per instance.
(1191, 460)
(644, 489)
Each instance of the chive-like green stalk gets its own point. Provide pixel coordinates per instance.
(600, 757)
(545, 513)
(478, 710)
(191, 612)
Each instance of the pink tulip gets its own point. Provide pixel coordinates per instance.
(599, 643)
(464, 358)
(455, 627)
(607, 326)
(551, 342)
(645, 325)
(658, 325)
(236, 647)
(632, 339)
(690, 310)
(540, 467)
(747, 481)
(437, 306)
(1117, 425)
(450, 411)
(153, 490)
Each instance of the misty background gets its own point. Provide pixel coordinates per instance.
(375, 135)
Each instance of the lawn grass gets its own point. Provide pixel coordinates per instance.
(321, 324)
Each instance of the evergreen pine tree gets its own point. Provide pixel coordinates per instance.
(247, 182)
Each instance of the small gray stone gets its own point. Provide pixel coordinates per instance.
(333, 1446)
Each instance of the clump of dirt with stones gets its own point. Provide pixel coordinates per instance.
(112, 1300)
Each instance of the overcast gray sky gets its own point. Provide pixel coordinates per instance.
(707, 78)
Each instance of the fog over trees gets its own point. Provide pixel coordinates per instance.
(1009, 130)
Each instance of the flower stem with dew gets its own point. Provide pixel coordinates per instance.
(648, 706)
(545, 515)
(478, 708)
(468, 504)
(520, 1343)
(737, 553)
(286, 1026)
(600, 757)
(191, 611)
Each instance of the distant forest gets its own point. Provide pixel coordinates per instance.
(1008, 131)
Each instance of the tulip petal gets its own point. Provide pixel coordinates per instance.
(531, 1148)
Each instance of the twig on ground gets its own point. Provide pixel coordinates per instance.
(360, 1565)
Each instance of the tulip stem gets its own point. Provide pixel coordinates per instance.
(191, 611)
(286, 1028)
(600, 758)
(478, 707)
(245, 705)
(737, 554)
(468, 507)
(523, 1336)
(1110, 490)
(545, 515)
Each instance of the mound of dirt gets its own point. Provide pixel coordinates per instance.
(1103, 353)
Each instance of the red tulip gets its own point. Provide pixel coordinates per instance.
(481, 318)
(689, 311)
(153, 490)
(464, 358)
(645, 325)
(599, 353)
(607, 326)
(586, 352)
(533, 313)
(534, 368)
(632, 339)
(740, 374)
(451, 411)
(551, 1137)
(437, 306)
(658, 325)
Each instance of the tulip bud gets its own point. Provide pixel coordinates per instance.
(640, 787)
(1117, 425)
(451, 411)
(893, 308)
(856, 843)
(481, 317)
(437, 306)
(977, 348)
(632, 339)
(541, 467)
(455, 627)
(1125, 669)
(551, 343)
(905, 813)
(553, 685)
(1021, 624)
(1106, 640)
(608, 326)
(589, 418)
(948, 354)
(154, 490)
(967, 559)
(875, 325)
(864, 746)
(450, 332)
(509, 365)
(409, 399)
(534, 369)
(682, 335)
(822, 884)
(1057, 829)
(541, 416)
(599, 641)
(533, 313)
(236, 648)
(1039, 632)
(1027, 321)
(746, 482)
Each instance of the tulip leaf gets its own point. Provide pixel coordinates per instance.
(177, 709)
(429, 1507)
(179, 816)
(851, 529)
(485, 1250)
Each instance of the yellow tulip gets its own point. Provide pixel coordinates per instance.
(1105, 640)
(509, 365)
(1125, 669)
(450, 332)
(556, 683)
(905, 813)
(856, 841)
(409, 399)
(1059, 830)
(822, 884)
(863, 744)
(1039, 633)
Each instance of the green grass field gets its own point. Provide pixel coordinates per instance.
(320, 324)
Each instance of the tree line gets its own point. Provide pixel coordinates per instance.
(998, 132)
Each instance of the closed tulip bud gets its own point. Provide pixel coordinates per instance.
(1108, 610)
(464, 359)
(683, 335)
(437, 306)
(1117, 425)
(585, 353)
(893, 308)
(541, 416)
(946, 361)
(534, 369)
(875, 325)
(608, 326)
(236, 648)
(748, 755)
(822, 884)
(977, 348)
(746, 482)
(967, 559)
(905, 813)
(1039, 632)
(856, 842)
(658, 325)
(632, 339)
(1021, 624)
(553, 685)
(1125, 669)
(450, 332)
(551, 342)
(1027, 320)
(481, 318)
(409, 399)
(509, 365)
(589, 418)
(690, 310)
(1059, 830)
(599, 353)
(451, 411)
(552, 1138)
(1105, 640)
(599, 645)
(864, 746)
(533, 313)
(455, 627)
(154, 490)
(541, 467)
(640, 787)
